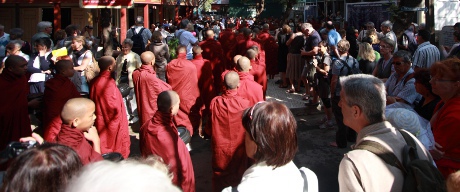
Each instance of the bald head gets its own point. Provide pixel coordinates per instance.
(231, 80)
(63, 65)
(181, 49)
(197, 50)
(166, 100)
(244, 64)
(105, 62)
(266, 26)
(13, 61)
(236, 58)
(75, 108)
(251, 54)
(147, 57)
(209, 34)
(246, 32)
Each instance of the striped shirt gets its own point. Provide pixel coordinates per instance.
(425, 55)
(401, 89)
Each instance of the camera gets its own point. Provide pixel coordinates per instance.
(15, 148)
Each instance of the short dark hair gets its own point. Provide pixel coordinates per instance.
(272, 127)
(184, 23)
(13, 60)
(423, 77)
(44, 41)
(157, 36)
(403, 54)
(70, 30)
(48, 167)
(424, 34)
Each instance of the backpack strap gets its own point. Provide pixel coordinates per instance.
(142, 30)
(382, 152)
(408, 77)
(345, 64)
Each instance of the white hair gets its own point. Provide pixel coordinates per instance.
(388, 24)
(42, 25)
(128, 175)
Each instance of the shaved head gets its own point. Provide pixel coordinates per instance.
(181, 49)
(209, 33)
(251, 54)
(197, 50)
(231, 80)
(236, 58)
(246, 32)
(13, 61)
(166, 100)
(147, 58)
(75, 108)
(244, 64)
(63, 65)
(105, 62)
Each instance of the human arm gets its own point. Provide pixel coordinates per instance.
(312, 52)
(35, 137)
(85, 62)
(334, 80)
(293, 36)
(348, 178)
(93, 136)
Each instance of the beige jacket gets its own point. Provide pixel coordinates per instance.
(361, 170)
(134, 62)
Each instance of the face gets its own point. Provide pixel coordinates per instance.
(323, 49)
(19, 69)
(87, 121)
(76, 45)
(347, 111)
(385, 29)
(307, 31)
(419, 88)
(384, 48)
(175, 108)
(13, 50)
(419, 40)
(126, 48)
(400, 66)
(49, 30)
(40, 47)
(250, 145)
(69, 72)
(444, 87)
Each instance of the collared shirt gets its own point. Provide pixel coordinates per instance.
(402, 89)
(186, 38)
(146, 34)
(425, 55)
(333, 37)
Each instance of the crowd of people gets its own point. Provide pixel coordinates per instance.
(370, 84)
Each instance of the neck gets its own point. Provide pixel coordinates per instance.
(387, 56)
(428, 98)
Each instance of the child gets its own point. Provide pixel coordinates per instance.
(324, 92)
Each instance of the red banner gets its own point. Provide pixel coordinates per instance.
(112, 4)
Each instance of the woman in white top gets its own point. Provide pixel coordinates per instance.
(14, 48)
(271, 140)
(81, 57)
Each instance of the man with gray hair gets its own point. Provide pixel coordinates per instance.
(4, 39)
(44, 29)
(139, 29)
(310, 50)
(368, 26)
(361, 170)
(387, 31)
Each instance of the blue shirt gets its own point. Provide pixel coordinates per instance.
(402, 89)
(337, 66)
(187, 39)
(333, 37)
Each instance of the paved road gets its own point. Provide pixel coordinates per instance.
(314, 150)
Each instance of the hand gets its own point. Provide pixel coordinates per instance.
(54, 59)
(92, 134)
(436, 153)
(42, 52)
(391, 99)
(46, 72)
(35, 137)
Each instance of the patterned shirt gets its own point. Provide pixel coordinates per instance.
(425, 55)
(402, 89)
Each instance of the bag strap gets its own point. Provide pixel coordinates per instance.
(305, 181)
(382, 152)
(411, 143)
(408, 77)
(345, 64)
(142, 30)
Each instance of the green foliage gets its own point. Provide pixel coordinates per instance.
(172, 44)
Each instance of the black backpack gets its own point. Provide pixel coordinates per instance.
(419, 175)
(138, 41)
(354, 69)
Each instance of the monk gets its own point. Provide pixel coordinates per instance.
(248, 88)
(58, 90)
(246, 42)
(147, 86)
(270, 46)
(229, 159)
(257, 68)
(111, 122)
(227, 39)
(212, 51)
(182, 76)
(159, 137)
(14, 116)
(77, 128)
(205, 82)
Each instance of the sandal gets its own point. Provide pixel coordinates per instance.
(305, 97)
(290, 91)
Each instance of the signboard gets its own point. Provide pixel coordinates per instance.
(446, 12)
(446, 36)
(359, 13)
(111, 4)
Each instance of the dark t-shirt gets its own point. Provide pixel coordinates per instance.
(366, 66)
(312, 41)
(296, 45)
(426, 111)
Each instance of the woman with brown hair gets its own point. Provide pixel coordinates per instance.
(81, 57)
(271, 141)
(283, 51)
(161, 52)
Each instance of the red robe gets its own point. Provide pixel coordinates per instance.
(260, 74)
(58, 91)
(212, 51)
(159, 136)
(147, 87)
(270, 47)
(14, 115)
(229, 160)
(205, 83)
(227, 39)
(181, 75)
(250, 89)
(76, 140)
(111, 121)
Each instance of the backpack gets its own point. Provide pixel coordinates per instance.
(419, 175)
(138, 41)
(354, 69)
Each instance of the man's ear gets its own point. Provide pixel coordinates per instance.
(75, 122)
(356, 111)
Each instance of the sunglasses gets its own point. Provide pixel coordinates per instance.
(397, 63)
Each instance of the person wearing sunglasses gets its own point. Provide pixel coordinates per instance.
(400, 85)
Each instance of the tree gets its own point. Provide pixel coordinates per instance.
(106, 24)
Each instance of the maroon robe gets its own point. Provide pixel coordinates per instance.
(147, 87)
(181, 75)
(229, 160)
(205, 83)
(159, 136)
(76, 140)
(212, 51)
(58, 91)
(250, 89)
(111, 120)
(260, 74)
(14, 115)
(227, 39)
(270, 47)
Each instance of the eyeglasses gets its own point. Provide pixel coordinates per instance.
(384, 47)
(397, 63)
(434, 79)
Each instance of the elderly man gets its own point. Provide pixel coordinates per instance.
(44, 29)
(139, 29)
(310, 50)
(387, 28)
(426, 54)
(361, 170)
(369, 26)
(186, 38)
(400, 85)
